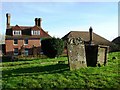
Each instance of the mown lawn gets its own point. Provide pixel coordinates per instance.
(47, 73)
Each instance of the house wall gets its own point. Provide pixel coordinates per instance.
(10, 45)
(35, 42)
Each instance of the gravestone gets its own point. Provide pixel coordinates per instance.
(102, 55)
(76, 53)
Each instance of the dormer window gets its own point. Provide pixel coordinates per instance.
(16, 32)
(35, 32)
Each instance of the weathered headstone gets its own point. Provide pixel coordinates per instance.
(76, 53)
(102, 55)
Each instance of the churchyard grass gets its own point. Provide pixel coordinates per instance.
(47, 73)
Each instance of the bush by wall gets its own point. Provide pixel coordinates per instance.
(52, 47)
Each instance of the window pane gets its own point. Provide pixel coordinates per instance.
(17, 32)
(15, 51)
(13, 32)
(26, 52)
(15, 41)
(26, 41)
(34, 32)
(38, 32)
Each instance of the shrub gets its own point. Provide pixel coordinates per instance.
(6, 58)
(52, 47)
(114, 47)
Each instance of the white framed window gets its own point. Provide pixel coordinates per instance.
(15, 51)
(35, 32)
(26, 42)
(16, 32)
(26, 52)
(15, 42)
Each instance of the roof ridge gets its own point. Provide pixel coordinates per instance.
(22, 26)
(79, 31)
(101, 37)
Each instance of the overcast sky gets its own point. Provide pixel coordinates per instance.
(59, 18)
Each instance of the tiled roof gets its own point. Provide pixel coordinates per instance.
(26, 36)
(24, 27)
(98, 40)
(27, 32)
(16, 27)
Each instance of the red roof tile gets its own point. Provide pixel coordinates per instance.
(16, 28)
(27, 32)
(22, 27)
(35, 28)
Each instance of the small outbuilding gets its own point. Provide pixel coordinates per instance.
(95, 47)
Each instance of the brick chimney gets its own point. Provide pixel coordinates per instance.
(39, 22)
(8, 20)
(91, 34)
(36, 21)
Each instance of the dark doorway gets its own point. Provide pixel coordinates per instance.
(91, 55)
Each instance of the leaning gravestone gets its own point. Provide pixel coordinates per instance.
(76, 53)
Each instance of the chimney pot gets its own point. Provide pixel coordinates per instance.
(36, 21)
(91, 34)
(39, 22)
(8, 20)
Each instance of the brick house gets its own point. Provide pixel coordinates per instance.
(24, 40)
